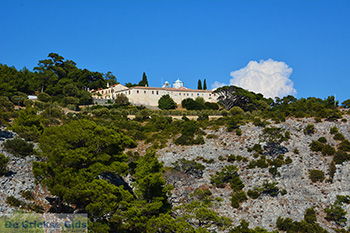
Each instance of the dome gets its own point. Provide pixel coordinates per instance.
(178, 84)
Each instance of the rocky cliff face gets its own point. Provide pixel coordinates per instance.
(302, 193)
(18, 179)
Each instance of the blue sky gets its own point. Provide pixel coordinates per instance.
(186, 39)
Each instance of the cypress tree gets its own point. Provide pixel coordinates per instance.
(199, 87)
(144, 81)
(205, 84)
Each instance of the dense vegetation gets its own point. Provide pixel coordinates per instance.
(87, 161)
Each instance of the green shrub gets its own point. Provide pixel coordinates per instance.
(339, 137)
(328, 150)
(344, 146)
(331, 170)
(340, 157)
(189, 167)
(316, 146)
(18, 147)
(336, 214)
(254, 194)
(310, 215)
(316, 175)
(44, 97)
(322, 140)
(309, 129)
(236, 110)
(228, 174)
(3, 164)
(333, 130)
(238, 132)
(237, 198)
(14, 202)
(166, 102)
(257, 148)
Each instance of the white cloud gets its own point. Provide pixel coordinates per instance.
(269, 77)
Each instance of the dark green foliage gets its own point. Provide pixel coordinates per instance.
(254, 194)
(257, 148)
(334, 130)
(211, 106)
(270, 189)
(290, 226)
(167, 224)
(144, 80)
(310, 215)
(340, 157)
(189, 167)
(44, 97)
(18, 147)
(322, 140)
(316, 146)
(28, 124)
(346, 103)
(331, 170)
(344, 146)
(190, 134)
(230, 96)
(166, 102)
(244, 228)
(14, 202)
(3, 164)
(238, 132)
(199, 85)
(203, 117)
(309, 129)
(205, 84)
(121, 100)
(328, 150)
(275, 135)
(228, 174)
(339, 137)
(316, 175)
(336, 214)
(237, 198)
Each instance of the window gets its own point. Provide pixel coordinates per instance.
(129, 92)
(157, 92)
(144, 92)
(197, 94)
(137, 91)
(152, 92)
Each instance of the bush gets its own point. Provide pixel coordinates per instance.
(254, 194)
(339, 137)
(322, 140)
(211, 106)
(336, 214)
(316, 146)
(310, 129)
(310, 215)
(189, 167)
(344, 146)
(333, 130)
(340, 157)
(18, 147)
(44, 97)
(228, 174)
(121, 100)
(3, 164)
(236, 110)
(14, 202)
(328, 150)
(238, 132)
(237, 198)
(316, 175)
(166, 102)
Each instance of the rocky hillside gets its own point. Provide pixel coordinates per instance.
(224, 148)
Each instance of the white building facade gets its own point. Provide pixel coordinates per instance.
(149, 96)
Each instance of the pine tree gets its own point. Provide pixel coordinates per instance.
(144, 81)
(205, 84)
(199, 85)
